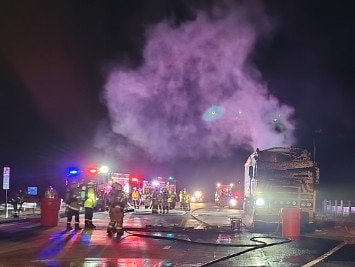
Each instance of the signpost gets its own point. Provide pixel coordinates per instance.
(6, 186)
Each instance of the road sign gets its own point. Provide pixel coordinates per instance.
(6, 178)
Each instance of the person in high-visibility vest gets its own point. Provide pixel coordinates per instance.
(185, 200)
(89, 205)
(135, 198)
(171, 200)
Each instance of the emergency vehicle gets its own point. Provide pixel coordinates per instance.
(277, 178)
(197, 197)
(101, 182)
(84, 180)
(158, 183)
(124, 179)
(227, 196)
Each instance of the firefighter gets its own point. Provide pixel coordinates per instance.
(117, 202)
(182, 200)
(174, 197)
(89, 205)
(185, 200)
(147, 200)
(171, 200)
(164, 200)
(135, 198)
(160, 201)
(17, 201)
(188, 201)
(155, 200)
(72, 199)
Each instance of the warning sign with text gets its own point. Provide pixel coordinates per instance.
(6, 178)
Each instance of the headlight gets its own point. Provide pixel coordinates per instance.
(232, 202)
(259, 202)
(193, 199)
(198, 194)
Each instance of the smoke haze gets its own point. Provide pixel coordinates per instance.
(196, 93)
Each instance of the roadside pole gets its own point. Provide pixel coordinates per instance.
(6, 209)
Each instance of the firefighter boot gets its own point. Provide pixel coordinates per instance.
(92, 226)
(119, 233)
(111, 228)
(77, 227)
(109, 231)
(69, 228)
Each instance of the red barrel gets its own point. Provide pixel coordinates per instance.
(291, 222)
(50, 206)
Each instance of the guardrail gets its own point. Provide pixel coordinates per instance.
(338, 208)
(9, 207)
(25, 205)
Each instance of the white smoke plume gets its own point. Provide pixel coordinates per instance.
(196, 95)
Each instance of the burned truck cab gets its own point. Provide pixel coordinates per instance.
(277, 178)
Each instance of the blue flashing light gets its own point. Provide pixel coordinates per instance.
(73, 172)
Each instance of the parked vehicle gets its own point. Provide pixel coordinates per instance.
(227, 196)
(197, 197)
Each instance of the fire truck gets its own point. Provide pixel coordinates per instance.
(227, 196)
(101, 182)
(125, 179)
(277, 178)
(159, 182)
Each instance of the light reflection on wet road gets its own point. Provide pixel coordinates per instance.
(30, 244)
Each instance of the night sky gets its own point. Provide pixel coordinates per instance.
(181, 88)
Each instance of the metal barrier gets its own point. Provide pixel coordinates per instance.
(338, 208)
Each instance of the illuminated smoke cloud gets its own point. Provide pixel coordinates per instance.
(196, 95)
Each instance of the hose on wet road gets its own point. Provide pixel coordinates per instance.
(156, 233)
(250, 247)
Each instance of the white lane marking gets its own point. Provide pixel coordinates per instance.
(327, 254)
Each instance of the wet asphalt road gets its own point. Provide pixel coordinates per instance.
(175, 239)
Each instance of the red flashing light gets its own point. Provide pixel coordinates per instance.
(93, 171)
(134, 179)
